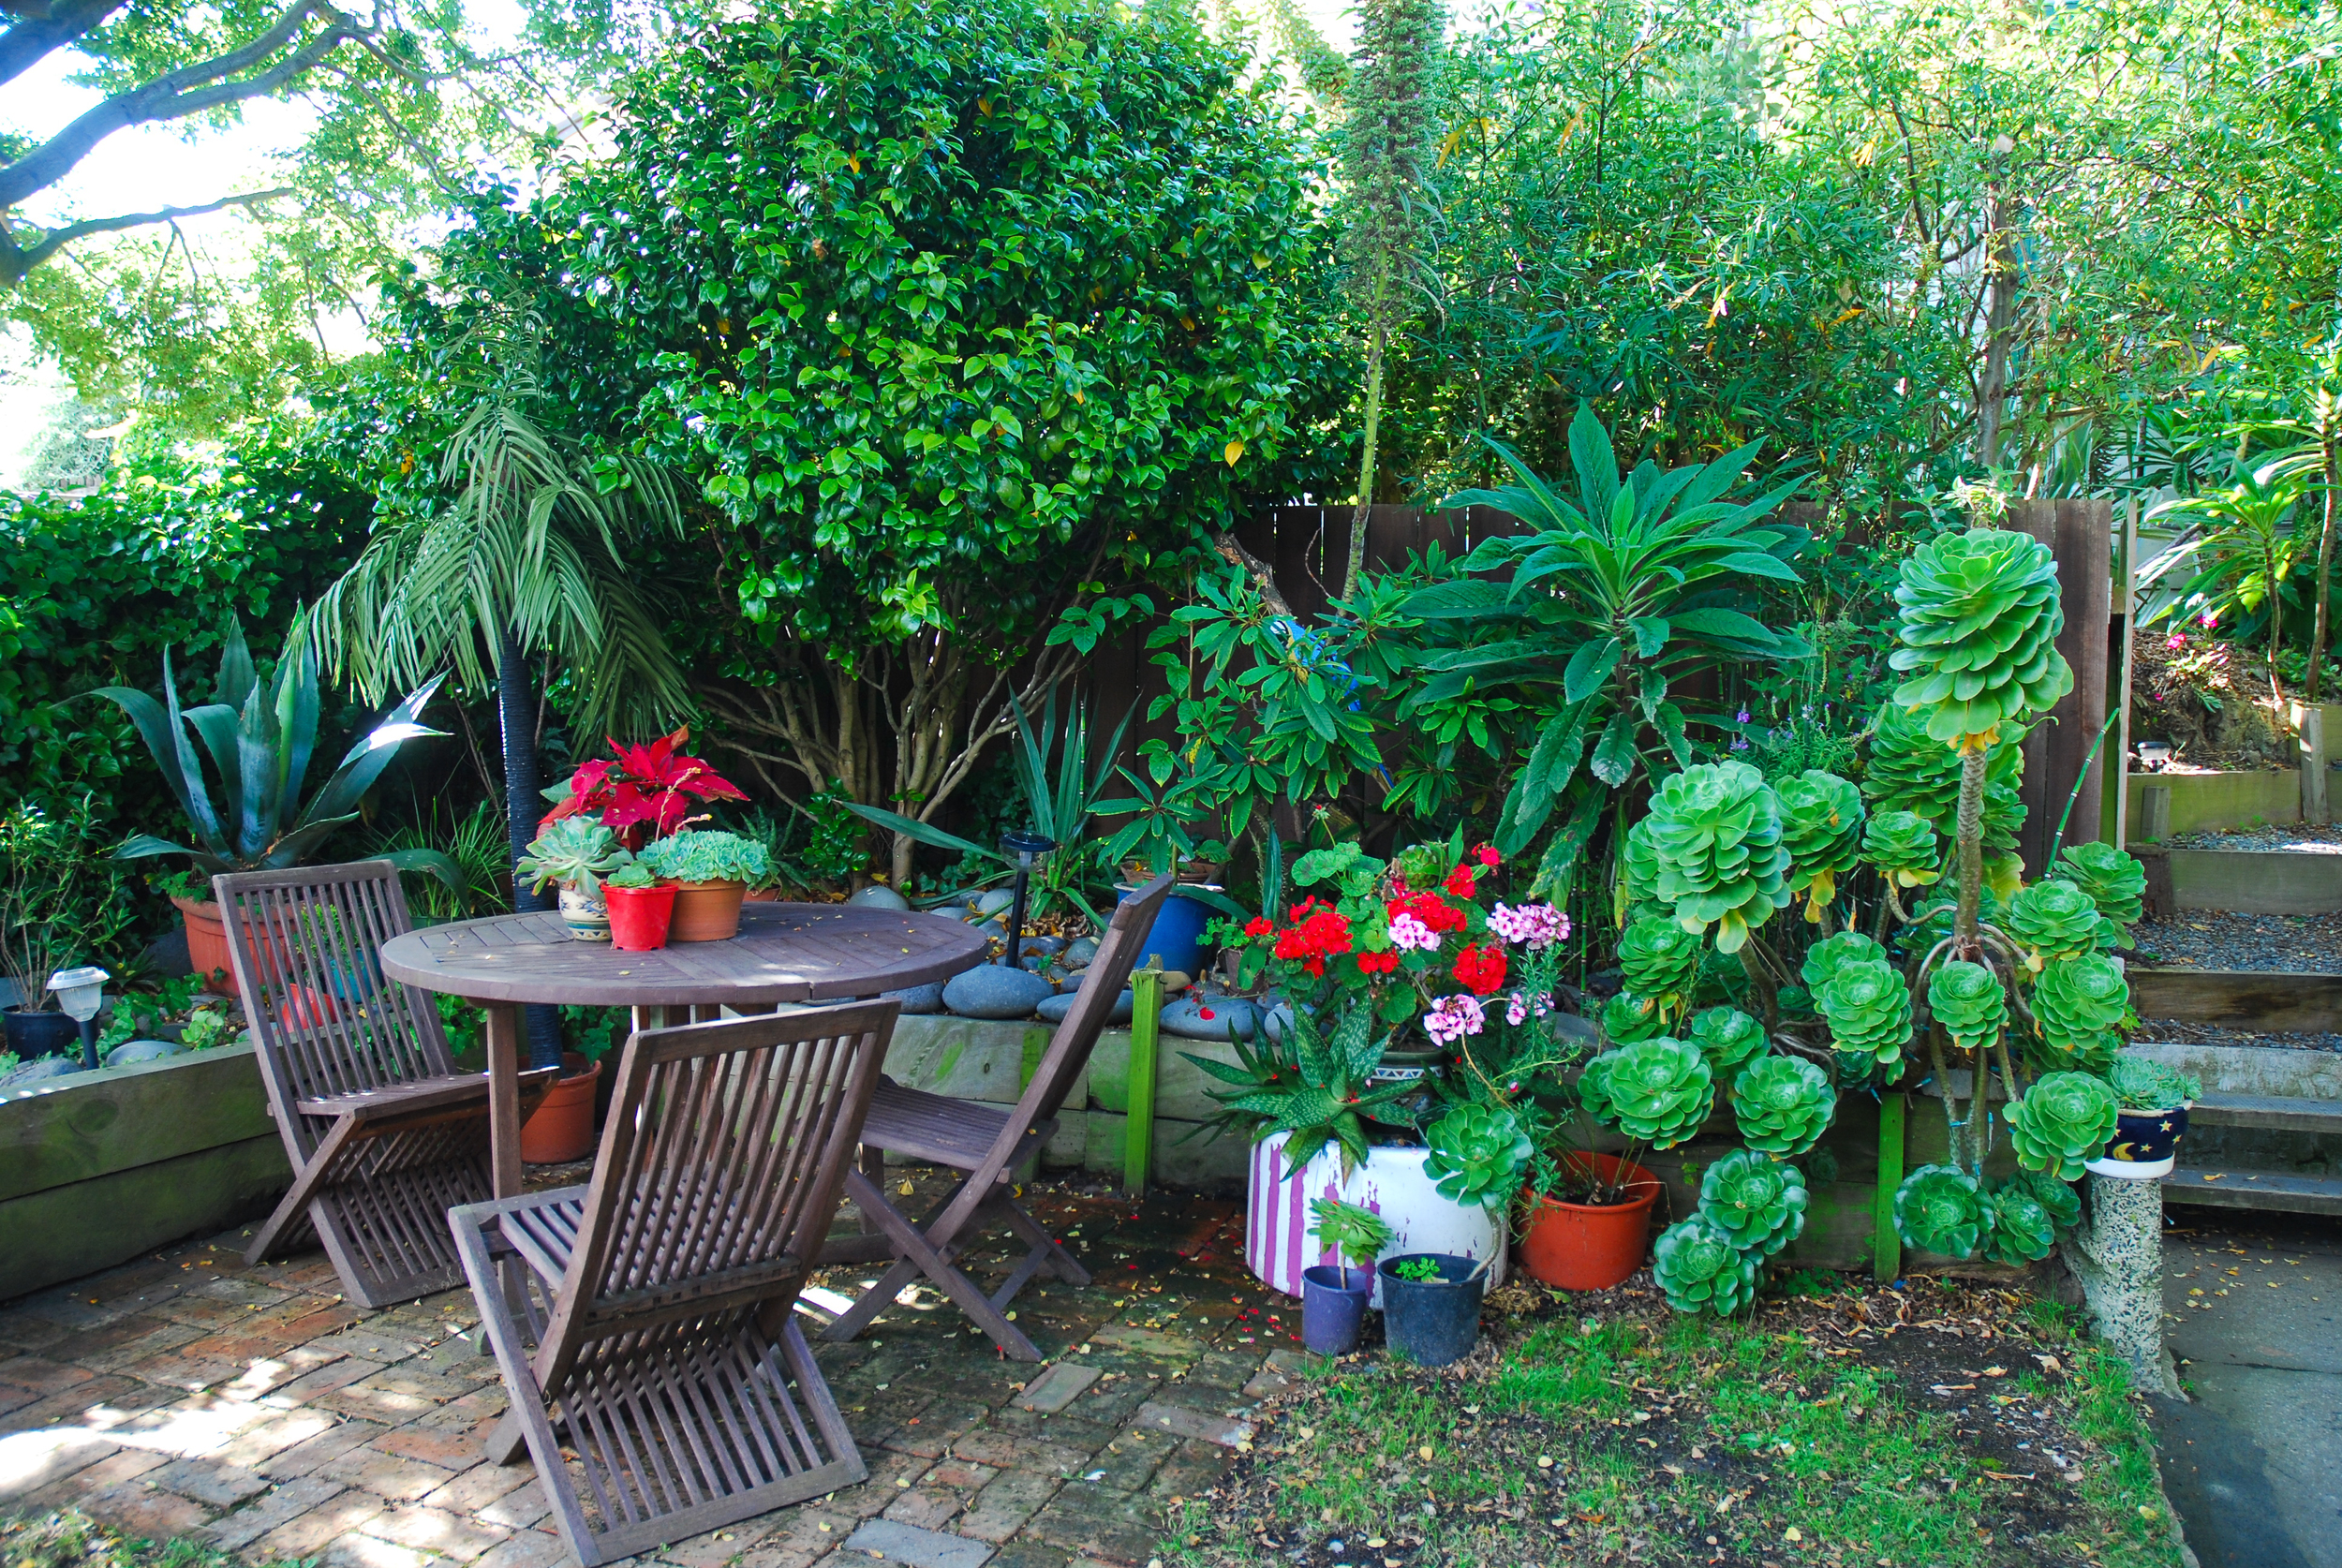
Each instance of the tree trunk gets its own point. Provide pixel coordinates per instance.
(1991, 382)
(2326, 559)
(517, 714)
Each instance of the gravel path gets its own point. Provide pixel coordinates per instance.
(2299, 836)
(2218, 940)
(2163, 1031)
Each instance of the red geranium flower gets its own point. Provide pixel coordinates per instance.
(1377, 963)
(1480, 970)
(1258, 926)
(1460, 882)
(1486, 854)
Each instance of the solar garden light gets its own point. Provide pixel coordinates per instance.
(81, 993)
(1030, 851)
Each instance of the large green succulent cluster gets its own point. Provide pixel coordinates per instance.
(1477, 1154)
(2063, 1122)
(1628, 1018)
(1902, 845)
(1730, 1038)
(2017, 1229)
(1968, 1001)
(1782, 1104)
(1700, 1269)
(1660, 960)
(1940, 1208)
(1656, 1091)
(1758, 1202)
(2116, 883)
(2052, 920)
(1980, 618)
(2078, 1003)
(1821, 827)
(1867, 1009)
(2058, 1198)
(2141, 1084)
(1823, 959)
(1909, 771)
(1715, 831)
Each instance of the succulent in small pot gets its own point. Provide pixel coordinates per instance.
(1784, 1105)
(641, 908)
(1940, 1208)
(1967, 1001)
(1754, 1200)
(1334, 1299)
(1477, 1154)
(575, 853)
(712, 872)
(1730, 1038)
(1699, 1268)
(2151, 1118)
(2064, 1121)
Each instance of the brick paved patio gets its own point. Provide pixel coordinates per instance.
(253, 1409)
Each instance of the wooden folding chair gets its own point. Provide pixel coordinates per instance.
(988, 1144)
(658, 1298)
(384, 1134)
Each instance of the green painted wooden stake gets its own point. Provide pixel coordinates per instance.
(1138, 1129)
(1886, 1244)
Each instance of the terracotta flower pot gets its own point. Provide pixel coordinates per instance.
(307, 1007)
(640, 917)
(706, 911)
(1591, 1246)
(762, 896)
(207, 935)
(562, 1128)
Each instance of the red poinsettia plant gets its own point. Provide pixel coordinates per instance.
(644, 792)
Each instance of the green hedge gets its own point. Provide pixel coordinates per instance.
(93, 588)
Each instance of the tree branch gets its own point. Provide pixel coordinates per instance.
(49, 28)
(16, 261)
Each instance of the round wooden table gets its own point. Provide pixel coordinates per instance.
(785, 953)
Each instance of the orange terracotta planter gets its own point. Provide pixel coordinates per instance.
(562, 1128)
(762, 896)
(207, 935)
(1589, 1246)
(706, 911)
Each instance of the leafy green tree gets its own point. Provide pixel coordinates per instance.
(1006, 315)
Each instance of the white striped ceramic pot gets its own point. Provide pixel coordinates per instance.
(1278, 1242)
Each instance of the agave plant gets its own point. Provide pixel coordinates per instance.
(260, 739)
(1980, 618)
(2115, 882)
(2017, 1229)
(1700, 1270)
(2063, 1122)
(1940, 1208)
(1758, 1202)
(1967, 1000)
(1867, 1009)
(1716, 832)
(1821, 827)
(1628, 1018)
(1909, 771)
(1657, 1091)
(2078, 1002)
(1476, 1154)
(1660, 960)
(1782, 1104)
(1309, 1082)
(1822, 959)
(2052, 920)
(1902, 845)
(1730, 1038)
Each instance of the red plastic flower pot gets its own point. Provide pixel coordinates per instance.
(639, 916)
(1591, 1246)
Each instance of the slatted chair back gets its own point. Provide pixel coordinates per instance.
(1077, 1036)
(718, 1177)
(325, 1020)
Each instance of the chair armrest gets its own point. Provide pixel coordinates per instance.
(423, 1094)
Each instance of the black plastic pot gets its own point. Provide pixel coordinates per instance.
(1333, 1309)
(43, 1033)
(1432, 1322)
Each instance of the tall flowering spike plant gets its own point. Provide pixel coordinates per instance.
(644, 792)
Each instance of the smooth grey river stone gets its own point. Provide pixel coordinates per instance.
(994, 991)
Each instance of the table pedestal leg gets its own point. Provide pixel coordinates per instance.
(504, 1099)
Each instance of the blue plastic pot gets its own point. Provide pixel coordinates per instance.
(1333, 1307)
(1177, 936)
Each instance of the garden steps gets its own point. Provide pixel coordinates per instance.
(2274, 1190)
(2272, 1112)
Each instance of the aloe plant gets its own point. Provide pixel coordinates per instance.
(261, 738)
(1310, 1082)
(1700, 1269)
(1758, 1202)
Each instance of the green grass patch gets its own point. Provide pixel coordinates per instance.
(62, 1538)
